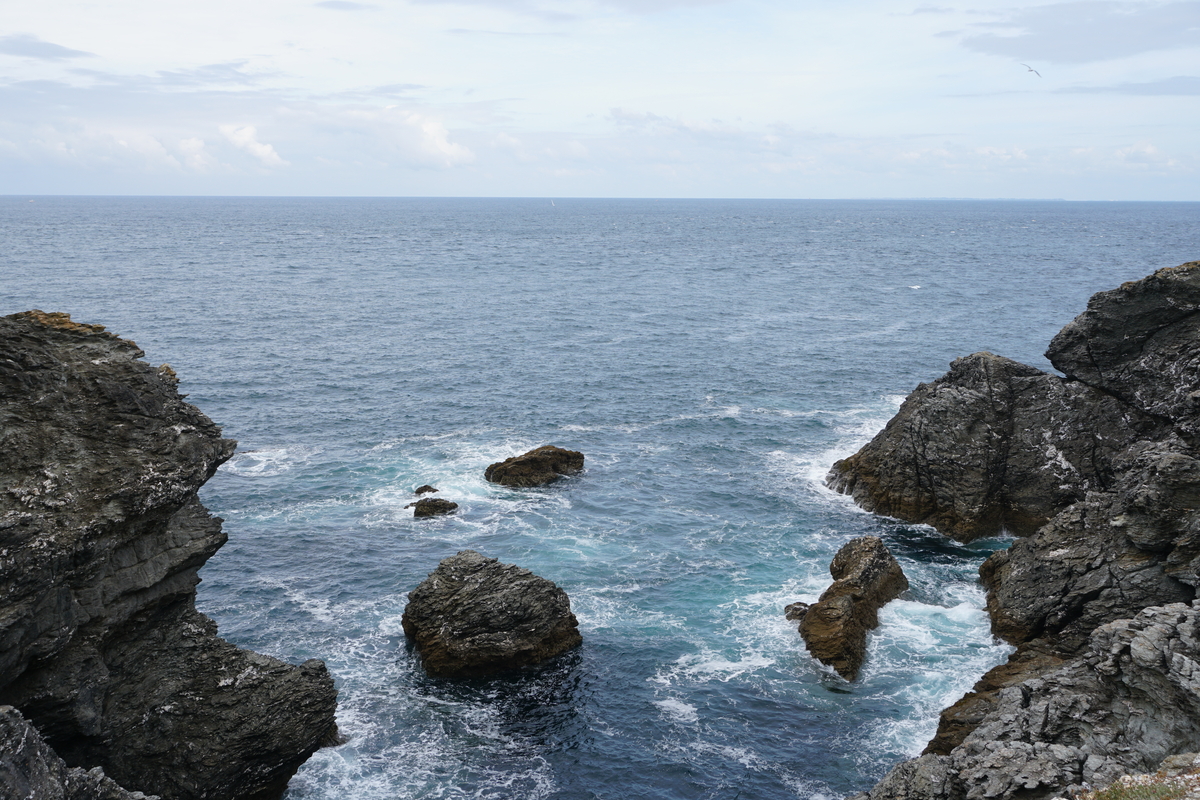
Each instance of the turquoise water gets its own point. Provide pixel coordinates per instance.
(710, 358)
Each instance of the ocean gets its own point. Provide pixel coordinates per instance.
(711, 359)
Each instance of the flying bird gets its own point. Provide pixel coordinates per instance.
(1031, 69)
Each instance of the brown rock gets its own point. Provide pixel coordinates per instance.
(538, 467)
(866, 577)
(432, 507)
(426, 489)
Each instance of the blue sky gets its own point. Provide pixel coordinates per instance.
(611, 98)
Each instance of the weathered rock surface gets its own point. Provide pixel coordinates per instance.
(992, 446)
(538, 467)
(1101, 475)
(474, 616)
(1128, 702)
(865, 578)
(1138, 342)
(30, 770)
(101, 537)
(432, 507)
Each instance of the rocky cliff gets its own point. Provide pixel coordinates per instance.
(101, 538)
(1098, 472)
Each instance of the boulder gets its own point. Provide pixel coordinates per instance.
(866, 577)
(538, 467)
(474, 616)
(101, 647)
(426, 489)
(432, 507)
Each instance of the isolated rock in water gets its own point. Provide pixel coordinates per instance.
(475, 616)
(538, 467)
(1128, 702)
(1139, 343)
(29, 769)
(426, 489)
(432, 507)
(866, 577)
(103, 650)
(992, 446)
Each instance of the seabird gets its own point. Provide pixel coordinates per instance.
(1031, 69)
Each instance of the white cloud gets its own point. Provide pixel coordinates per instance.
(246, 138)
(22, 44)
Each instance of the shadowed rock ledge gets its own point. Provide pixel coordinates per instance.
(101, 538)
(1098, 472)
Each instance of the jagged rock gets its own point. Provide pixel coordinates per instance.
(1138, 342)
(1131, 700)
(432, 507)
(475, 616)
(1106, 676)
(794, 612)
(866, 577)
(1084, 569)
(992, 446)
(101, 647)
(30, 770)
(426, 489)
(538, 467)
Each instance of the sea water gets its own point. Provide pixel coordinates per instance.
(711, 359)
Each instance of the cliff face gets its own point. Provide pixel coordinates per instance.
(101, 537)
(1099, 472)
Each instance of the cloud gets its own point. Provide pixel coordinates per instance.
(22, 44)
(1178, 86)
(246, 138)
(343, 5)
(1090, 30)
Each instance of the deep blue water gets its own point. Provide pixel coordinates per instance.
(710, 358)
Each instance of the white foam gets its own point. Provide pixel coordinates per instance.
(708, 665)
(269, 461)
(678, 711)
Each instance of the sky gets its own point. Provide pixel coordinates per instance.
(1079, 100)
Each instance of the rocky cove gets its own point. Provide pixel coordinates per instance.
(1095, 594)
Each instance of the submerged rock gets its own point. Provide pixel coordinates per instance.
(474, 616)
(538, 467)
(866, 577)
(103, 650)
(432, 507)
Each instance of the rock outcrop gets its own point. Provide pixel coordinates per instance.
(1127, 703)
(101, 538)
(30, 770)
(865, 578)
(432, 507)
(1099, 472)
(474, 616)
(538, 467)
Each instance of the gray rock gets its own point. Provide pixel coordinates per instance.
(30, 770)
(432, 507)
(1130, 701)
(1138, 342)
(993, 446)
(866, 577)
(538, 467)
(100, 644)
(474, 616)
